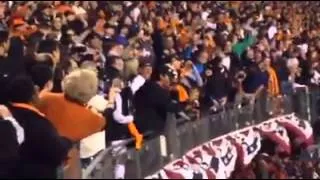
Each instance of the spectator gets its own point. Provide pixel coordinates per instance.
(145, 71)
(113, 71)
(217, 95)
(14, 136)
(152, 102)
(45, 81)
(38, 157)
(254, 83)
(73, 109)
(77, 93)
(121, 126)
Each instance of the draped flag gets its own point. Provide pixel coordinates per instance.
(218, 158)
(278, 134)
(248, 144)
(301, 129)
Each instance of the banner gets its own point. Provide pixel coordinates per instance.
(218, 158)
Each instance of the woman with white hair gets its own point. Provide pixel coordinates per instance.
(68, 111)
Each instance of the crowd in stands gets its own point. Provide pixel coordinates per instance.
(95, 73)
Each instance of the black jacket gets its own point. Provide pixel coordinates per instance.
(152, 103)
(115, 130)
(110, 73)
(43, 149)
(9, 149)
(4, 78)
(219, 84)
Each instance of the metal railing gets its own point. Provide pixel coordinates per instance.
(177, 140)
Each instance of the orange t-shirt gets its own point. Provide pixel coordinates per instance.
(70, 119)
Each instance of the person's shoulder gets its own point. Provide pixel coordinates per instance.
(30, 116)
(49, 95)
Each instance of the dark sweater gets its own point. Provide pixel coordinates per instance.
(152, 103)
(43, 149)
(115, 130)
(9, 149)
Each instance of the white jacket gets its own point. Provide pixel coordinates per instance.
(95, 143)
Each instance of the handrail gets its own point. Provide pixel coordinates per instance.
(100, 157)
(172, 137)
(102, 154)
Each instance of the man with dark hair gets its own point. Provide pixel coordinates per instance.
(42, 76)
(112, 71)
(217, 95)
(51, 47)
(43, 150)
(152, 102)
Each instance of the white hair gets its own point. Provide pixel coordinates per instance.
(80, 85)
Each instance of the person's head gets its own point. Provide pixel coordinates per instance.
(118, 83)
(293, 64)
(176, 62)
(250, 53)
(166, 77)
(117, 63)
(46, 10)
(228, 47)
(127, 21)
(116, 49)
(109, 30)
(89, 65)
(50, 47)
(169, 43)
(203, 57)
(94, 41)
(42, 76)
(257, 56)
(124, 31)
(145, 70)
(70, 16)
(21, 89)
(267, 62)
(57, 23)
(80, 85)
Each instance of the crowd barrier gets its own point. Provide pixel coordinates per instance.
(178, 138)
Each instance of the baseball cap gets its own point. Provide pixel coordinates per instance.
(18, 22)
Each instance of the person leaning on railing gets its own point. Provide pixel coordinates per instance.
(121, 126)
(68, 112)
(152, 102)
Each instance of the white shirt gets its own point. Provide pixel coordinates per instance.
(117, 113)
(272, 31)
(137, 82)
(94, 143)
(226, 62)
(18, 128)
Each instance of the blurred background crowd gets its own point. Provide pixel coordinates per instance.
(96, 73)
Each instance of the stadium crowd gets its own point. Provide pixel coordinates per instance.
(95, 73)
